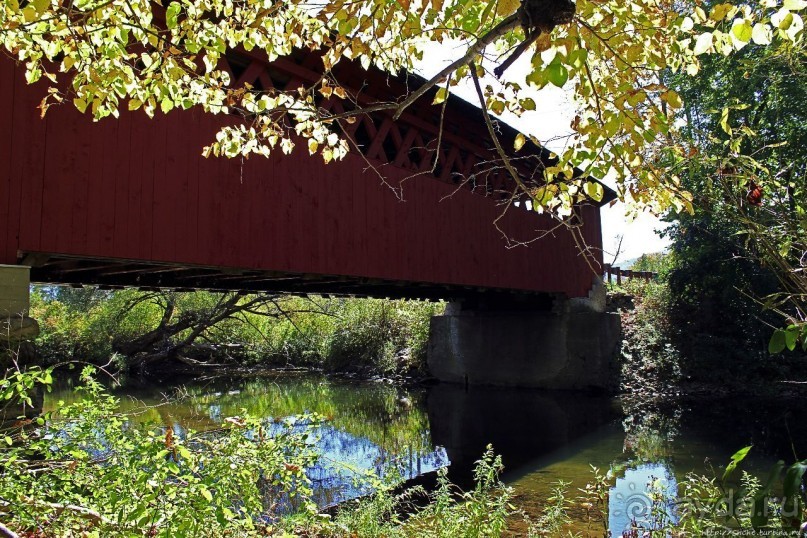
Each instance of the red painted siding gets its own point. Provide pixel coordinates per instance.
(138, 189)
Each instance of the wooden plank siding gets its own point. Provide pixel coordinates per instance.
(138, 189)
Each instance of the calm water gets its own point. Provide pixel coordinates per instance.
(542, 436)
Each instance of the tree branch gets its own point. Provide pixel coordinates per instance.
(473, 51)
(505, 159)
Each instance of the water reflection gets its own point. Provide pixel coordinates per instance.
(370, 429)
(522, 425)
(644, 496)
(542, 436)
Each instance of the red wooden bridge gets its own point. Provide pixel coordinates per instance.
(131, 202)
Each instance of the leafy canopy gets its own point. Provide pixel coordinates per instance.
(139, 54)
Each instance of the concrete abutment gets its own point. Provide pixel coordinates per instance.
(16, 327)
(571, 346)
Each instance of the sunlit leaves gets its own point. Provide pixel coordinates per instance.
(159, 59)
(132, 477)
(593, 190)
(762, 34)
(741, 29)
(557, 73)
(519, 141)
(171, 15)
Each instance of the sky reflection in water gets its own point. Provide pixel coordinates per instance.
(541, 436)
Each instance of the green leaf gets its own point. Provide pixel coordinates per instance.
(578, 57)
(778, 342)
(791, 337)
(736, 459)
(497, 107)
(184, 453)
(528, 103)
(32, 75)
(171, 14)
(206, 493)
(440, 96)
(593, 190)
(742, 30)
(557, 74)
(759, 514)
(792, 489)
(724, 121)
(703, 44)
(41, 5)
(672, 98)
(761, 34)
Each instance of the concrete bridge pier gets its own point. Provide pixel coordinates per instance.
(571, 345)
(15, 325)
(16, 331)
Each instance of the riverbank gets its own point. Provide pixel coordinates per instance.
(660, 361)
(195, 332)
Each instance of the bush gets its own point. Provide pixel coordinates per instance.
(385, 336)
(369, 336)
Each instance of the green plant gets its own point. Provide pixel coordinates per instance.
(554, 515)
(594, 498)
(722, 502)
(86, 468)
(366, 335)
(480, 512)
(92, 467)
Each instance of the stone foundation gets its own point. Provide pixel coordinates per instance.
(572, 347)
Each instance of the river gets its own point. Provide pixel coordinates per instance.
(542, 436)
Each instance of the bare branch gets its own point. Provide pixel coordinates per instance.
(473, 51)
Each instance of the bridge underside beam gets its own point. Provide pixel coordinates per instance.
(114, 273)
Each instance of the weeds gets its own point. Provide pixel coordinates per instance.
(87, 469)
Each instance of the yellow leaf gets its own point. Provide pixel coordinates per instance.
(507, 7)
(440, 96)
(519, 142)
(543, 42)
(497, 107)
(672, 98)
(720, 11)
(594, 190)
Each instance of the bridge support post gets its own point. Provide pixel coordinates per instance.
(15, 325)
(573, 346)
(16, 331)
